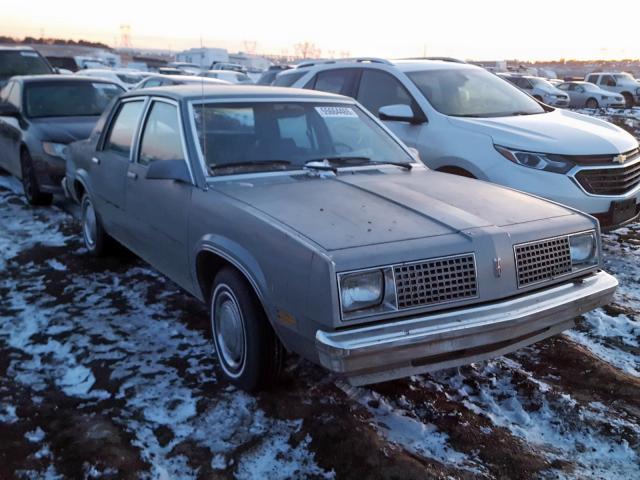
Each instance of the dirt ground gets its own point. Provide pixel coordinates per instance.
(107, 371)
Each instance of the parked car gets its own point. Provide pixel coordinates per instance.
(168, 80)
(539, 88)
(465, 120)
(39, 116)
(622, 83)
(186, 68)
(20, 60)
(234, 67)
(127, 79)
(269, 76)
(229, 76)
(171, 71)
(312, 229)
(585, 94)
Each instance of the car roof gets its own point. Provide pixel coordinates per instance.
(411, 65)
(60, 78)
(237, 92)
(17, 48)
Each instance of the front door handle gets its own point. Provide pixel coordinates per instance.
(132, 175)
(95, 160)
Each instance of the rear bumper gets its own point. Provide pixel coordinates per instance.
(398, 349)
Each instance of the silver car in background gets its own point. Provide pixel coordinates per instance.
(539, 88)
(589, 95)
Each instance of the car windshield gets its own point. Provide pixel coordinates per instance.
(68, 99)
(624, 76)
(22, 63)
(472, 93)
(265, 136)
(130, 78)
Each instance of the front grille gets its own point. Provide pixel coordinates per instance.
(610, 181)
(544, 260)
(434, 281)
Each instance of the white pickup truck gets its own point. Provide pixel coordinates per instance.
(622, 83)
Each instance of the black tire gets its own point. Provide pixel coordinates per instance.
(628, 100)
(250, 354)
(30, 184)
(96, 240)
(592, 103)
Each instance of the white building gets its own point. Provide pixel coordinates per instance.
(203, 57)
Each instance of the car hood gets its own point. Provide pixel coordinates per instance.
(64, 129)
(379, 206)
(559, 131)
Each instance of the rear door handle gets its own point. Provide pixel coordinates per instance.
(95, 160)
(132, 175)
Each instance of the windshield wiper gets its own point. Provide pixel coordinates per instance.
(326, 163)
(251, 163)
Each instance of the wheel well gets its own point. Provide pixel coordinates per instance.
(456, 171)
(208, 264)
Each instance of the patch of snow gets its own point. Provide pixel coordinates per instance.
(35, 436)
(8, 413)
(56, 265)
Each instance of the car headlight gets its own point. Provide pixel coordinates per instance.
(55, 149)
(361, 290)
(367, 292)
(540, 161)
(584, 250)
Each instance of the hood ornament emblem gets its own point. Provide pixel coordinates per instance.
(620, 158)
(497, 264)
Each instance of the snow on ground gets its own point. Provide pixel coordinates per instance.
(107, 371)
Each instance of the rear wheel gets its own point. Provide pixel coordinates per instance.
(628, 100)
(592, 103)
(96, 239)
(30, 182)
(250, 354)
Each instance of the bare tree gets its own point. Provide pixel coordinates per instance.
(307, 50)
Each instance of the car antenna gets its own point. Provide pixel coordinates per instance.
(203, 119)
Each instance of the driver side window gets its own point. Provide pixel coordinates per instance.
(378, 89)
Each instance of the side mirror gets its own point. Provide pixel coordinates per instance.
(397, 113)
(9, 110)
(169, 170)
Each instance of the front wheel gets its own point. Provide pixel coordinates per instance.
(30, 183)
(250, 354)
(96, 239)
(628, 100)
(592, 103)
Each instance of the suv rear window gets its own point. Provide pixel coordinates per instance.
(287, 79)
(22, 62)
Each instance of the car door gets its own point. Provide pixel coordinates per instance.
(11, 132)
(378, 89)
(578, 95)
(110, 162)
(158, 210)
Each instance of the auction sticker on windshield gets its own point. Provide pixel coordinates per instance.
(29, 54)
(326, 112)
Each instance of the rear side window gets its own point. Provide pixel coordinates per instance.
(287, 79)
(123, 128)
(378, 89)
(161, 138)
(25, 62)
(341, 81)
(13, 97)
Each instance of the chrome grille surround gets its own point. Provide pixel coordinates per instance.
(611, 180)
(435, 281)
(542, 260)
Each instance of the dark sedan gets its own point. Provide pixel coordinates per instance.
(39, 116)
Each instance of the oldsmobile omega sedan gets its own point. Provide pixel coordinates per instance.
(308, 227)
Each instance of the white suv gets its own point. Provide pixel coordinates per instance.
(464, 120)
(622, 83)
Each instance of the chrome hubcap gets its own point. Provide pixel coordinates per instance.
(89, 225)
(228, 327)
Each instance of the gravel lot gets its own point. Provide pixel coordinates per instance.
(106, 371)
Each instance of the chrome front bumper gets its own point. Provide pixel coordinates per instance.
(397, 349)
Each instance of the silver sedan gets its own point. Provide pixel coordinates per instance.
(586, 94)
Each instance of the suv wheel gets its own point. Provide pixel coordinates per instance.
(250, 354)
(30, 182)
(96, 239)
